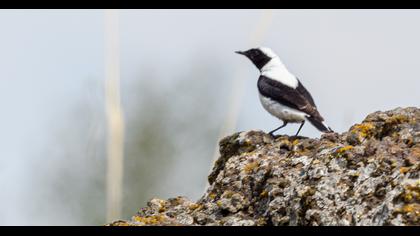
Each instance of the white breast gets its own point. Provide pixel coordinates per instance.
(282, 112)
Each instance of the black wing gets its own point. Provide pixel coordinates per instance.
(302, 90)
(299, 98)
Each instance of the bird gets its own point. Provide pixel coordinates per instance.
(281, 93)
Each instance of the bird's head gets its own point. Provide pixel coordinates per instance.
(259, 56)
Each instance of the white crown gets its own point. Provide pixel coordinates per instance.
(267, 51)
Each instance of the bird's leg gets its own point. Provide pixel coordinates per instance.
(301, 125)
(271, 132)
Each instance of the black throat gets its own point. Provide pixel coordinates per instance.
(260, 61)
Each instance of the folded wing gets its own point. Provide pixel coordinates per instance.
(298, 98)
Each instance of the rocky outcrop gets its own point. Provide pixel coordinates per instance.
(368, 175)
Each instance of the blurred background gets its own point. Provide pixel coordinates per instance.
(181, 87)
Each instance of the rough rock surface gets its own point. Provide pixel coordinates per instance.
(368, 175)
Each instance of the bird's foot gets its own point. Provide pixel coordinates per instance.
(273, 135)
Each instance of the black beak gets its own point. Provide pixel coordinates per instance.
(239, 52)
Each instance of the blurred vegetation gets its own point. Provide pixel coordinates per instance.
(171, 129)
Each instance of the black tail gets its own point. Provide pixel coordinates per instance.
(320, 125)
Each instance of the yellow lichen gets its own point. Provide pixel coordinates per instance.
(411, 192)
(408, 197)
(394, 163)
(148, 220)
(355, 174)
(250, 167)
(264, 193)
(120, 223)
(228, 194)
(284, 143)
(343, 149)
(212, 195)
(404, 170)
(261, 221)
(364, 129)
(194, 206)
(411, 208)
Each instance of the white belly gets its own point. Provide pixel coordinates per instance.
(282, 112)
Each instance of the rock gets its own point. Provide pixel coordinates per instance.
(368, 175)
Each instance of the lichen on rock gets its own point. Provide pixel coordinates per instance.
(368, 175)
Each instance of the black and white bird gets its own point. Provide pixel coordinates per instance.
(281, 93)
